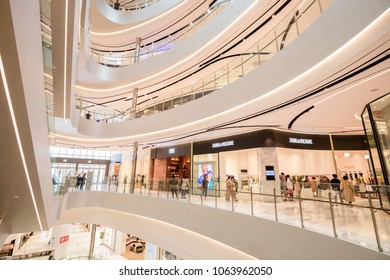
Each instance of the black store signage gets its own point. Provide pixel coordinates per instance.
(282, 139)
(172, 151)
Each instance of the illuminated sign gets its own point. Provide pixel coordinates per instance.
(300, 141)
(64, 239)
(223, 144)
(171, 151)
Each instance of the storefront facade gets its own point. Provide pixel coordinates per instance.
(257, 158)
(169, 161)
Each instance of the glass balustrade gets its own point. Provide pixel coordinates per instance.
(364, 222)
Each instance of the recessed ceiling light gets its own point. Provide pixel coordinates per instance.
(374, 89)
(16, 196)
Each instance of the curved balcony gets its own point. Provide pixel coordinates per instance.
(117, 57)
(288, 29)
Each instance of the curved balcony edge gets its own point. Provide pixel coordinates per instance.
(197, 232)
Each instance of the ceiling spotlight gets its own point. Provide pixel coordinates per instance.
(366, 156)
(346, 155)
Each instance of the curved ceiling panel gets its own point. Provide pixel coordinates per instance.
(303, 63)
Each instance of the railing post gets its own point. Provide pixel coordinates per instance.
(216, 202)
(332, 214)
(374, 223)
(276, 210)
(252, 202)
(300, 208)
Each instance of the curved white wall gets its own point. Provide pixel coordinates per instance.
(280, 78)
(198, 232)
(193, 48)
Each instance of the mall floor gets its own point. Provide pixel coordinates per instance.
(352, 223)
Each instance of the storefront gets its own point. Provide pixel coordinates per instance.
(259, 157)
(169, 161)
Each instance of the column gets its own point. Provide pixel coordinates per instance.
(134, 167)
(269, 157)
(60, 241)
(92, 241)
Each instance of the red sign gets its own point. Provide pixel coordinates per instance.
(64, 239)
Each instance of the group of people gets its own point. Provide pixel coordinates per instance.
(176, 185)
(289, 187)
(81, 181)
(343, 189)
(231, 188)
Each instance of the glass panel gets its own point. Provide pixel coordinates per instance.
(307, 14)
(374, 161)
(381, 114)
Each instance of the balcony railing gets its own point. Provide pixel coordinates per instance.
(364, 222)
(117, 57)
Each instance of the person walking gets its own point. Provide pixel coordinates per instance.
(185, 185)
(78, 182)
(205, 185)
(348, 190)
(83, 179)
(283, 184)
(297, 186)
(229, 188)
(335, 184)
(313, 185)
(173, 184)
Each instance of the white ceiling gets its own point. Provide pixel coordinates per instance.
(338, 114)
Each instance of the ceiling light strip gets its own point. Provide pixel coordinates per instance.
(65, 55)
(7, 93)
(352, 86)
(140, 25)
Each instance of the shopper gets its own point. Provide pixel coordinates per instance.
(229, 188)
(205, 185)
(283, 184)
(348, 190)
(83, 179)
(78, 182)
(185, 185)
(314, 186)
(235, 188)
(361, 183)
(335, 184)
(297, 186)
(173, 185)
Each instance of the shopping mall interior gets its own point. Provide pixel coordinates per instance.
(195, 130)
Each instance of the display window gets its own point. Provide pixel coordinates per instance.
(206, 165)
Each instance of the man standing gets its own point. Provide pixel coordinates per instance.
(205, 185)
(335, 183)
